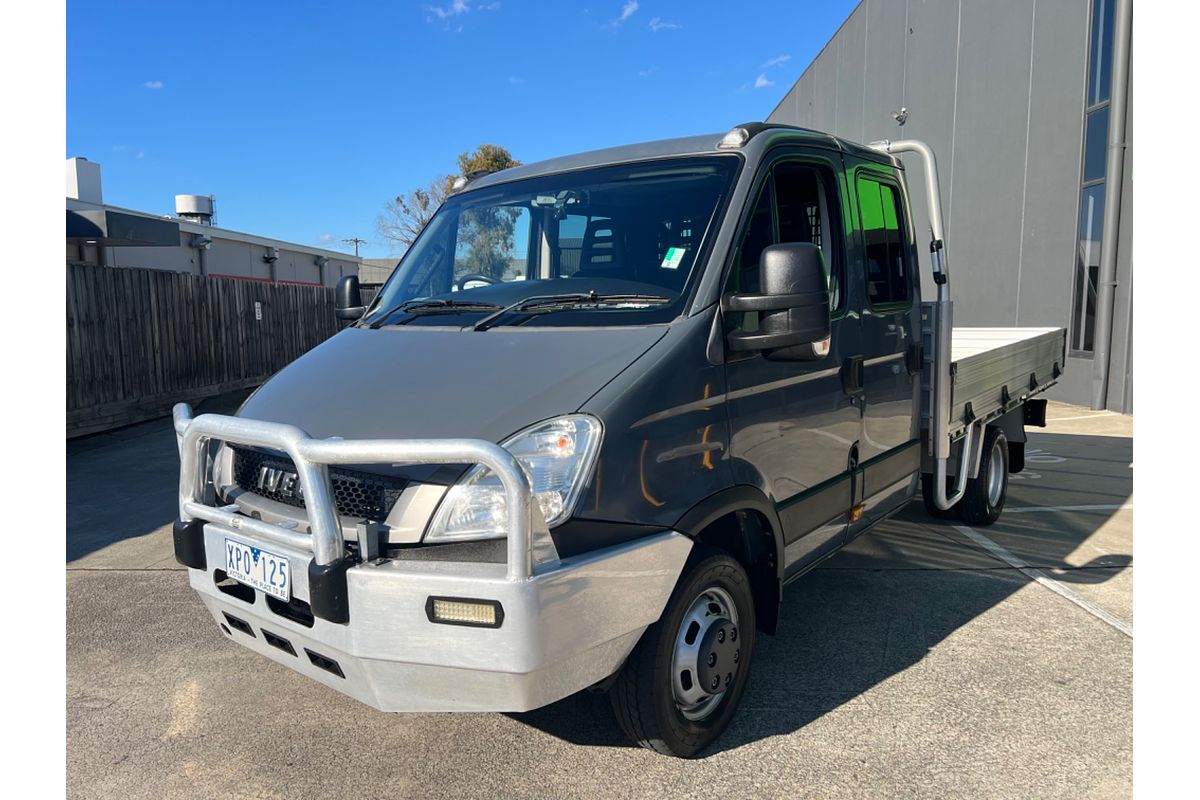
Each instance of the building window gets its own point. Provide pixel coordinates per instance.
(1100, 55)
(1095, 144)
(1092, 188)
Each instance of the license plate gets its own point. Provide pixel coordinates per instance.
(258, 568)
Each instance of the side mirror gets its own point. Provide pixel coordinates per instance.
(792, 306)
(348, 304)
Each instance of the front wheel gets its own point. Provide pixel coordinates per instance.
(681, 685)
(985, 495)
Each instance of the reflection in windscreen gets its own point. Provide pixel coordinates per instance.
(633, 229)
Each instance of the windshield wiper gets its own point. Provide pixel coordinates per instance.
(434, 306)
(557, 302)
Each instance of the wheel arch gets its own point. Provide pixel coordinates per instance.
(742, 522)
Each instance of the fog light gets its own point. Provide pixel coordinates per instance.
(465, 611)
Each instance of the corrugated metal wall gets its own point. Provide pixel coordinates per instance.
(997, 89)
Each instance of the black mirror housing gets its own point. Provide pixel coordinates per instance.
(793, 304)
(348, 304)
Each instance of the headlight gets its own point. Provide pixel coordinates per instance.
(557, 456)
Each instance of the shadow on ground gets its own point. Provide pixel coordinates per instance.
(843, 630)
(125, 483)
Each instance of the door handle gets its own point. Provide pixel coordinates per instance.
(914, 358)
(852, 375)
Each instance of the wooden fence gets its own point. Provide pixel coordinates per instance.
(141, 340)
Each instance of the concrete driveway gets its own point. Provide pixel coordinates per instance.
(927, 659)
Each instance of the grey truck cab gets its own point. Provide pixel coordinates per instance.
(604, 409)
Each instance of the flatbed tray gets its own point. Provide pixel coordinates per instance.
(996, 369)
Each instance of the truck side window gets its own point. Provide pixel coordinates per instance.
(800, 198)
(883, 239)
(759, 236)
(802, 205)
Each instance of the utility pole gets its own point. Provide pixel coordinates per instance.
(356, 242)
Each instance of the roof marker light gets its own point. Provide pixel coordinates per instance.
(734, 139)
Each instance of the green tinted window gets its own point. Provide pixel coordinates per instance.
(883, 241)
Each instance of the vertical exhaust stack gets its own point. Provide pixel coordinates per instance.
(200, 209)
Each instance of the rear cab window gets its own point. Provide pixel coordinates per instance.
(885, 243)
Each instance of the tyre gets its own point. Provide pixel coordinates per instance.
(683, 681)
(985, 495)
(927, 496)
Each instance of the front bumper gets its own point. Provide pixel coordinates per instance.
(566, 625)
(563, 629)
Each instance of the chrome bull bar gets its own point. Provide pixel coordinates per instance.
(312, 458)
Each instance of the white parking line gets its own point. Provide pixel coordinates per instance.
(1045, 580)
(1028, 509)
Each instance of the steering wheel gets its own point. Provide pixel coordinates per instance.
(462, 282)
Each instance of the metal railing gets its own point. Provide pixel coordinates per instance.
(941, 384)
(312, 458)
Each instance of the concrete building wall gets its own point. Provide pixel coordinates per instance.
(106, 235)
(376, 270)
(998, 90)
(174, 259)
(228, 258)
(231, 254)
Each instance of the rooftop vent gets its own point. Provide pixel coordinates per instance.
(83, 180)
(197, 208)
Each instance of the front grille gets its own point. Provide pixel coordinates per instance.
(361, 495)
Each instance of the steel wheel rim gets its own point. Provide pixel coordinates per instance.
(995, 476)
(712, 610)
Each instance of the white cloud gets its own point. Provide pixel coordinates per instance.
(627, 11)
(455, 8)
(153, 84)
(659, 24)
(776, 61)
(761, 82)
(325, 238)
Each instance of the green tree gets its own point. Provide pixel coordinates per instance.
(406, 215)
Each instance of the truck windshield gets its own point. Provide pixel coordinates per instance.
(633, 231)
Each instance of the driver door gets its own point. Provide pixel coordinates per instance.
(794, 428)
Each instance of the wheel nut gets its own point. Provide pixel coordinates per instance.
(733, 634)
(716, 683)
(712, 659)
(737, 655)
(728, 678)
(721, 635)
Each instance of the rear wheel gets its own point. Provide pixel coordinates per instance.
(682, 684)
(985, 495)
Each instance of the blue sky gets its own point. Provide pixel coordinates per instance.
(304, 118)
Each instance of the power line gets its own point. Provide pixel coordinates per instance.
(356, 242)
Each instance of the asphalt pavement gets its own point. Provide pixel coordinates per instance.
(927, 659)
